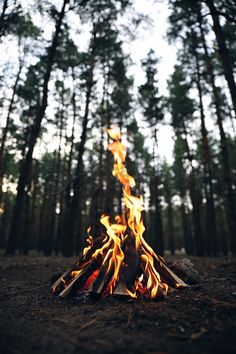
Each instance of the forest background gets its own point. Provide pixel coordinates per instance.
(69, 69)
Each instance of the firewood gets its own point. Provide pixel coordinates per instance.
(119, 261)
(130, 269)
(121, 289)
(58, 286)
(167, 276)
(79, 280)
(103, 279)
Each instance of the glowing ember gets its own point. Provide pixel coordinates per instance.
(120, 262)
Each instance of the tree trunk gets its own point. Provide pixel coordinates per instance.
(229, 192)
(4, 220)
(110, 181)
(101, 149)
(196, 201)
(73, 217)
(34, 212)
(187, 232)
(24, 235)
(223, 51)
(4, 8)
(56, 177)
(158, 239)
(208, 175)
(6, 128)
(170, 224)
(26, 164)
(43, 211)
(65, 198)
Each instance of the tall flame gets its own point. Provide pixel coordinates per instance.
(134, 207)
(110, 259)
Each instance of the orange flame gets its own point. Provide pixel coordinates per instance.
(134, 207)
(130, 223)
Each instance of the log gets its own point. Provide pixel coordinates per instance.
(167, 276)
(121, 289)
(103, 279)
(80, 280)
(130, 269)
(66, 277)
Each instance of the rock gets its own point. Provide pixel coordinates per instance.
(184, 268)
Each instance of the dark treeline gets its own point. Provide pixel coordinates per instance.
(65, 78)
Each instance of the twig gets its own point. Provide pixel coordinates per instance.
(86, 325)
(130, 317)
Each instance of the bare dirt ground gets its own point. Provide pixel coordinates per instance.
(197, 320)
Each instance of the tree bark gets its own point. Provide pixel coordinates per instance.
(223, 51)
(27, 163)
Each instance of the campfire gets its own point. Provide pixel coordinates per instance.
(119, 262)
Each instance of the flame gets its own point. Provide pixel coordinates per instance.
(128, 226)
(134, 207)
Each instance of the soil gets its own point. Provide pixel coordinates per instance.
(200, 319)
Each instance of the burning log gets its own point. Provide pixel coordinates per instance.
(101, 283)
(66, 277)
(129, 272)
(80, 279)
(119, 261)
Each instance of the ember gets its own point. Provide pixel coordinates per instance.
(119, 262)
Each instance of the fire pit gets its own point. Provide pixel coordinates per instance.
(119, 262)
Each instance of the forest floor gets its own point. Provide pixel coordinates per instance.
(196, 320)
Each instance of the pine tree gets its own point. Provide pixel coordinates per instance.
(182, 109)
(152, 105)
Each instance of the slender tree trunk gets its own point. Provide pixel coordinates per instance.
(4, 9)
(4, 221)
(110, 181)
(71, 154)
(6, 128)
(170, 222)
(208, 175)
(158, 235)
(26, 164)
(158, 239)
(222, 222)
(65, 199)
(54, 196)
(229, 192)
(181, 185)
(73, 218)
(24, 239)
(187, 233)
(196, 201)
(33, 212)
(48, 245)
(43, 211)
(223, 51)
(101, 149)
